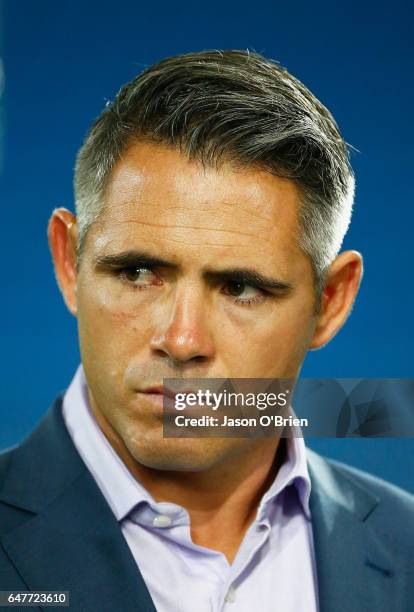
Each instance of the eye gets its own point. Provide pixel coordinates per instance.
(243, 293)
(139, 276)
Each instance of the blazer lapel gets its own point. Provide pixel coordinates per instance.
(355, 571)
(72, 541)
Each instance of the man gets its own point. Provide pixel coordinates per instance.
(212, 198)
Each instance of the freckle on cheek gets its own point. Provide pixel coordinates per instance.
(122, 316)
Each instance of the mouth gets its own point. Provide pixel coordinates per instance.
(159, 390)
(167, 392)
(159, 396)
(164, 397)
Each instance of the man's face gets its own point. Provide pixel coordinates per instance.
(187, 313)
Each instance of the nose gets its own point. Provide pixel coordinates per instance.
(187, 334)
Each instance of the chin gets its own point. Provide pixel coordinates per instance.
(177, 454)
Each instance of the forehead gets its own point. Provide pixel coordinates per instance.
(160, 199)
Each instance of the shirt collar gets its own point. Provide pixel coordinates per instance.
(123, 492)
(292, 472)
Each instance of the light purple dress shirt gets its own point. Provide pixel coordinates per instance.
(274, 569)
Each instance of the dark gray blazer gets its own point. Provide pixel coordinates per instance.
(57, 532)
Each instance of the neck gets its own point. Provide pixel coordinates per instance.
(221, 501)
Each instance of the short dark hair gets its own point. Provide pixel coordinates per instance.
(218, 106)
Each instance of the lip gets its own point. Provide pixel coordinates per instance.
(157, 400)
(167, 392)
(164, 398)
(159, 390)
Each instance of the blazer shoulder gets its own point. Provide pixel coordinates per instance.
(6, 456)
(388, 493)
(388, 508)
(33, 472)
(11, 515)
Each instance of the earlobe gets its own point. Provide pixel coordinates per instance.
(62, 236)
(343, 281)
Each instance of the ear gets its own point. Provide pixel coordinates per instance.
(62, 235)
(342, 284)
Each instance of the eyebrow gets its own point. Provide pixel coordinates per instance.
(131, 258)
(248, 276)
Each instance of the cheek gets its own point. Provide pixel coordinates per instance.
(110, 331)
(271, 343)
(292, 335)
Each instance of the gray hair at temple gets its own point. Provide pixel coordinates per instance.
(228, 106)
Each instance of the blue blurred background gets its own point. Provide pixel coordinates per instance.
(63, 60)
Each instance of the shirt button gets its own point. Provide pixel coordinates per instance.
(231, 595)
(162, 521)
